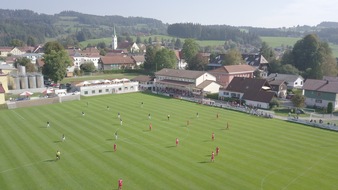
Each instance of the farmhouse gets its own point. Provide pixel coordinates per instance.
(255, 92)
(185, 82)
(116, 62)
(258, 61)
(318, 93)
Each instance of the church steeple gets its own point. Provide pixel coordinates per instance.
(114, 40)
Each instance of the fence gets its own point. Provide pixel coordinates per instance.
(41, 101)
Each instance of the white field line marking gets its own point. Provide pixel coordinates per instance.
(271, 173)
(18, 115)
(308, 169)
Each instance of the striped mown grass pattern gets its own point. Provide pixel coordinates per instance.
(255, 153)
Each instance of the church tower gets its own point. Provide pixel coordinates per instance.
(114, 40)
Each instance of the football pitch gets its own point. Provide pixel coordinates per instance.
(255, 153)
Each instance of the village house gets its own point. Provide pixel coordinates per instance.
(116, 62)
(225, 74)
(185, 82)
(318, 93)
(257, 61)
(292, 81)
(145, 82)
(254, 92)
(279, 87)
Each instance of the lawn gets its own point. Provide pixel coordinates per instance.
(255, 153)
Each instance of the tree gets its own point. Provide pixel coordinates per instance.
(178, 43)
(88, 67)
(17, 43)
(26, 63)
(257, 74)
(298, 100)
(233, 57)
(138, 40)
(56, 61)
(165, 58)
(267, 52)
(190, 49)
(101, 45)
(329, 107)
(198, 63)
(31, 41)
(288, 69)
(149, 63)
(312, 57)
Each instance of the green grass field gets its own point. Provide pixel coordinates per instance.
(255, 153)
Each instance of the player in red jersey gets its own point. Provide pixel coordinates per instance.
(212, 156)
(115, 147)
(177, 141)
(150, 126)
(120, 182)
(213, 136)
(217, 150)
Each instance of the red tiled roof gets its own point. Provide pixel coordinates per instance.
(321, 86)
(138, 58)
(143, 78)
(235, 69)
(180, 73)
(251, 89)
(117, 59)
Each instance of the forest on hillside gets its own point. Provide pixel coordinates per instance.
(25, 27)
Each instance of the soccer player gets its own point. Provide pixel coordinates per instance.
(116, 135)
(120, 182)
(228, 127)
(168, 117)
(213, 136)
(217, 115)
(63, 138)
(121, 121)
(142, 104)
(118, 115)
(177, 141)
(150, 127)
(212, 156)
(83, 113)
(217, 150)
(115, 147)
(108, 108)
(188, 122)
(149, 117)
(197, 115)
(58, 155)
(48, 124)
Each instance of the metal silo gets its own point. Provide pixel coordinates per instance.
(23, 82)
(16, 83)
(39, 81)
(22, 70)
(32, 81)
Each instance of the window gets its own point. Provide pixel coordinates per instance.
(107, 90)
(126, 88)
(120, 89)
(93, 91)
(100, 91)
(226, 93)
(85, 92)
(319, 101)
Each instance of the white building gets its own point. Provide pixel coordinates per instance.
(114, 88)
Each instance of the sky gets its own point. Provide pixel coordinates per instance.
(256, 13)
